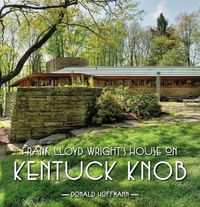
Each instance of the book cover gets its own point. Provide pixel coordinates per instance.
(99, 103)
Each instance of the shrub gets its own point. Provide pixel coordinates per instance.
(144, 104)
(108, 107)
(140, 103)
(123, 101)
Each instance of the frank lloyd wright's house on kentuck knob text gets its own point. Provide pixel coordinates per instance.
(167, 82)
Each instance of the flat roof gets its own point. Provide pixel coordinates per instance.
(132, 71)
(119, 72)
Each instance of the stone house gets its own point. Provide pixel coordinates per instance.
(167, 82)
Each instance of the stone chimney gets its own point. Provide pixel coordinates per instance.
(64, 62)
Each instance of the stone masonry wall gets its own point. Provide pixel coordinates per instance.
(60, 63)
(181, 92)
(174, 93)
(42, 111)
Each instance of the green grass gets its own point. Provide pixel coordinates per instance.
(152, 193)
(2, 148)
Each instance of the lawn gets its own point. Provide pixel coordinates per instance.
(151, 193)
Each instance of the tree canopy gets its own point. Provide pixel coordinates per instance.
(106, 33)
(38, 21)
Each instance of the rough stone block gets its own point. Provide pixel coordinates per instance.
(31, 142)
(53, 139)
(53, 124)
(13, 148)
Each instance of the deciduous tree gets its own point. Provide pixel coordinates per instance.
(55, 14)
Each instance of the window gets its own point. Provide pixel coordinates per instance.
(33, 82)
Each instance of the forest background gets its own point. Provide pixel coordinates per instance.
(106, 33)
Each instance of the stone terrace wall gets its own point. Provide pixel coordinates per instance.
(42, 111)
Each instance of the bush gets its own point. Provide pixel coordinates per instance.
(115, 103)
(144, 104)
(108, 107)
(140, 103)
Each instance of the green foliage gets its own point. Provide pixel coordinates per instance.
(109, 49)
(188, 26)
(102, 40)
(7, 54)
(162, 24)
(174, 57)
(108, 107)
(115, 101)
(67, 42)
(160, 45)
(144, 104)
(166, 46)
(170, 193)
(138, 102)
(82, 32)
